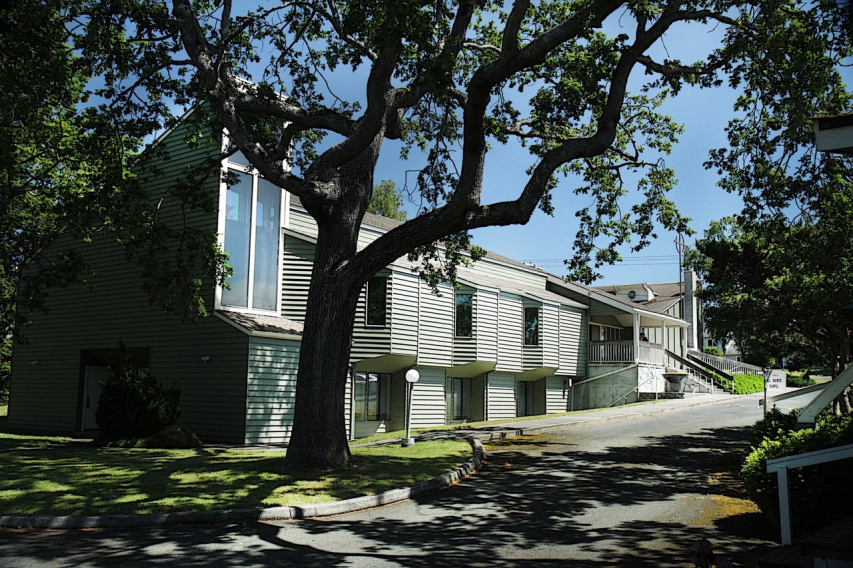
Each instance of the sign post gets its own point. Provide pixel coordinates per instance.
(774, 383)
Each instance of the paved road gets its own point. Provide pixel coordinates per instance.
(633, 493)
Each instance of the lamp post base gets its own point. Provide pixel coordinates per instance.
(407, 442)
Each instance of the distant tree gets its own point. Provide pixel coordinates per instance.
(387, 201)
(776, 286)
(448, 80)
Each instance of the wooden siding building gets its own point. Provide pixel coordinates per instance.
(509, 340)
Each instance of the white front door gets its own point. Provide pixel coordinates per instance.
(91, 395)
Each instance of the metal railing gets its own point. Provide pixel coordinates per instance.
(727, 365)
(623, 352)
(780, 467)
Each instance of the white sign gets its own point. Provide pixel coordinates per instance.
(774, 380)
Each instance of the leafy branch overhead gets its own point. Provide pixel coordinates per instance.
(448, 80)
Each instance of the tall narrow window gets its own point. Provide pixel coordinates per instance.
(531, 326)
(376, 300)
(464, 315)
(252, 234)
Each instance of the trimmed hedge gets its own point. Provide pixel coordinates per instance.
(798, 382)
(745, 384)
(711, 350)
(815, 490)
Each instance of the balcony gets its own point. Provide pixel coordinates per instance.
(622, 352)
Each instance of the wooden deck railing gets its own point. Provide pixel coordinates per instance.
(623, 352)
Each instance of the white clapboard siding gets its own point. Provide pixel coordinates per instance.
(271, 390)
(557, 395)
(500, 395)
(486, 325)
(435, 335)
(297, 265)
(404, 313)
(302, 222)
(510, 332)
(428, 403)
(372, 341)
(573, 342)
(550, 336)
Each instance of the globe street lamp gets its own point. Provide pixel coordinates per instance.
(412, 377)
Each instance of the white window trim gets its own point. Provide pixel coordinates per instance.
(284, 221)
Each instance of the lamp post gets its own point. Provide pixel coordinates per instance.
(412, 377)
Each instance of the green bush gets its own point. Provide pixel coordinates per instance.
(5, 368)
(773, 426)
(745, 384)
(798, 382)
(710, 350)
(814, 490)
(133, 404)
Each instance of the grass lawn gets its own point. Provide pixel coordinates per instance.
(87, 480)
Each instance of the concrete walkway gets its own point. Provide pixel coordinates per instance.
(475, 435)
(577, 419)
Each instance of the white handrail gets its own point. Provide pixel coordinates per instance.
(780, 466)
(835, 387)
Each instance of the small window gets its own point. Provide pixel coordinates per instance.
(371, 396)
(531, 326)
(464, 315)
(376, 300)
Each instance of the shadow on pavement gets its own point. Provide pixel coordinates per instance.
(549, 505)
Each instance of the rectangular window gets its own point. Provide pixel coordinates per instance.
(372, 392)
(531, 326)
(376, 300)
(464, 315)
(252, 235)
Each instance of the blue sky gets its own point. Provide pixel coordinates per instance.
(545, 240)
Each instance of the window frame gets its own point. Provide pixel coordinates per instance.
(367, 311)
(456, 334)
(284, 221)
(538, 342)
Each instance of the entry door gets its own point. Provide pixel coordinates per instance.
(91, 395)
(525, 398)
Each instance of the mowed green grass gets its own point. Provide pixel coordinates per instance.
(62, 480)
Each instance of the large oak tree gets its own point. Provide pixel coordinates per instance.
(311, 91)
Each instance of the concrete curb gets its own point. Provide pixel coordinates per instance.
(237, 515)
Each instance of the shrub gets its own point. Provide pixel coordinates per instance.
(814, 490)
(797, 382)
(773, 426)
(133, 404)
(745, 384)
(710, 350)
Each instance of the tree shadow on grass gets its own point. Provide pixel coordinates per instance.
(639, 506)
(76, 481)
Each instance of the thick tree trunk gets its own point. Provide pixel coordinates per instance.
(319, 438)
